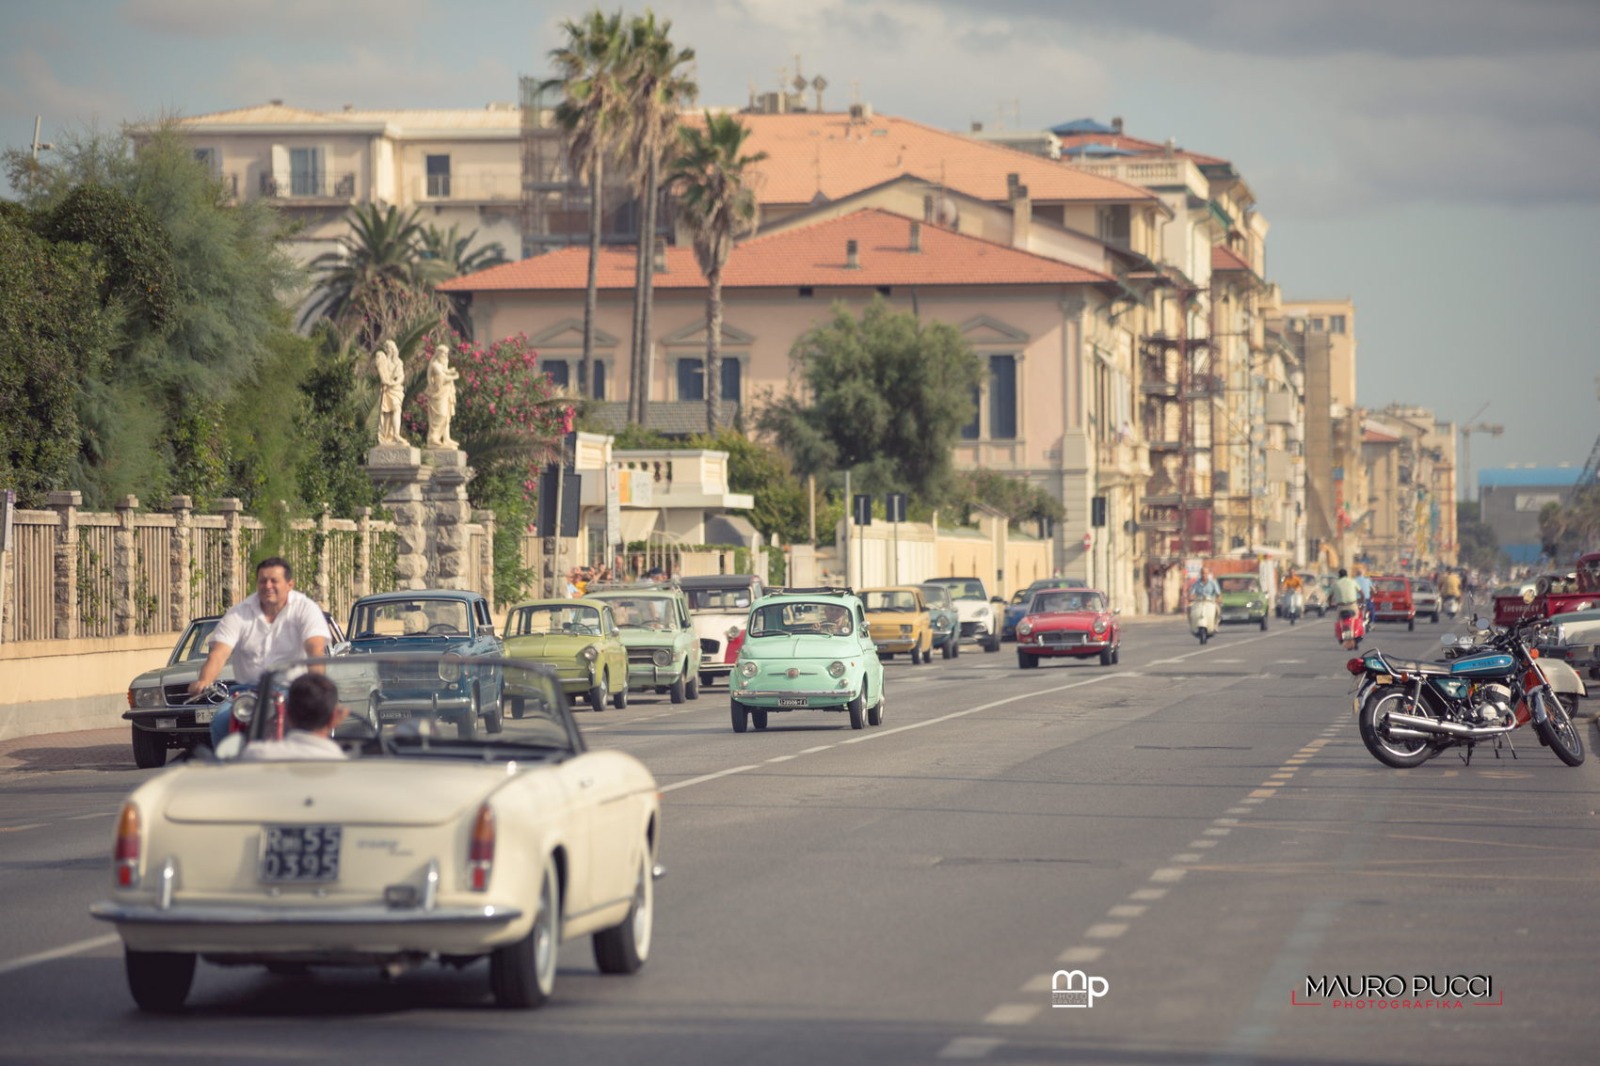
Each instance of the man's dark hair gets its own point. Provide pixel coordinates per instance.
(1343, 572)
(276, 560)
(312, 699)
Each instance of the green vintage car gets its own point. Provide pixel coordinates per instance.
(576, 638)
(807, 649)
(1242, 599)
(663, 648)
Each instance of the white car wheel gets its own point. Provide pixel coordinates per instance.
(523, 974)
(624, 948)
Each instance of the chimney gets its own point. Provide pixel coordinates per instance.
(1116, 124)
(927, 208)
(1011, 185)
(275, 103)
(852, 261)
(1021, 217)
(916, 237)
(658, 259)
(977, 127)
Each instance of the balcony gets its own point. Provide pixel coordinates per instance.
(466, 188)
(309, 187)
(1159, 387)
(1151, 173)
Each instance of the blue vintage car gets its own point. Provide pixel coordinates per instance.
(807, 649)
(430, 622)
(946, 620)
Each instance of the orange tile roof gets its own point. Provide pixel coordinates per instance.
(1225, 258)
(805, 256)
(1372, 436)
(1137, 145)
(828, 153)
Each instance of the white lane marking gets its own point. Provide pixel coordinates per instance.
(782, 758)
(1080, 954)
(1012, 1014)
(1201, 844)
(1126, 910)
(20, 828)
(96, 814)
(1187, 856)
(1218, 831)
(1168, 874)
(1105, 930)
(813, 751)
(970, 1047)
(1290, 660)
(1147, 893)
(58, 953)
(706, 777)
(1235, 810)
(1227, 821)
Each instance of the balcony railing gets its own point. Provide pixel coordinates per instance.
(309, 187)
(470, 188)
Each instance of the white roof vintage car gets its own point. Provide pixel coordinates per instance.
(419, 844)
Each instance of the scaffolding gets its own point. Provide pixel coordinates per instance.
(1178, 384)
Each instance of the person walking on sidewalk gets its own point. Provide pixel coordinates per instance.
(274, 625)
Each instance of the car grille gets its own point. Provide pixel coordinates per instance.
(969, 628)
(1061, 637)
(710, 647)
(641, 657)
(401, 674)
(175, 694)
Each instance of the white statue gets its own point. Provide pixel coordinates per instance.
(392, 379)
(441, 398)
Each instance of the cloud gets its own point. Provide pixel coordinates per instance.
(32, 87)
(290, 20)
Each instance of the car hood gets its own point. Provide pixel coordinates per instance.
(893, 618)
(369, 792)
(548, 646)
(414, 642)
(177, 674)
(649, 638)
(1240, 599)
(1066, 620)
(971, 610)
(800, 646)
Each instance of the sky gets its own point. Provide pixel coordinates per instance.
(1436, 161)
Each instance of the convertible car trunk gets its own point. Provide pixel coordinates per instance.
(373, 792)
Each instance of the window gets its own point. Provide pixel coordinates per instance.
(806, 292)
(1114, 225)
(305, 172)
(564, 374)
(438, 175)
(1000, 403)
(1316, 325)
(560, 372)
(207, 157)
(692, 376)
(1335, 323)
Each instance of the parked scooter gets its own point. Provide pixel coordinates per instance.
(1204, 614)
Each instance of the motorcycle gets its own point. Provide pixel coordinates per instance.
(1204, 614)
(1349, 626)
(1490, 684)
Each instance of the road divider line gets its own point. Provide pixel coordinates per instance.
(58, 953)
(707, 777)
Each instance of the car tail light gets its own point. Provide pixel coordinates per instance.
(127, 849)
(480, 852)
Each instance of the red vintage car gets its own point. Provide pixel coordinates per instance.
(1072, 623)
(1391, 600)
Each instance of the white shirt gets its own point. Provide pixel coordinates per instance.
(258, 644)
(296, 744)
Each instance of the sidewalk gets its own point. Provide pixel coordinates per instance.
(87, 749)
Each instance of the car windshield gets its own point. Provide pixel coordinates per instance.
(963, 590)
(193, 644)
(800, 617)
(554, 619)
(1388, 584)
(1422, 586)
(1238, 584)
(415, 705)
(721, 600)
(936, 595)
(889, 600)
(643, 612)
(411, 618)
(1056, 602)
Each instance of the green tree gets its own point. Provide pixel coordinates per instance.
(885, 396)
(1016, 497)
(656, 91)
(593, 113)
(1572, 527)
(1479, 545)
(376, 283)
(448, 254)
(719, 208)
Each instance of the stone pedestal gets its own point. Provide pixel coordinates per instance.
(426, 491)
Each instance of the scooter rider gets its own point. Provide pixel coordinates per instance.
(1364, 584)
(1345, 592)
(1206, 588)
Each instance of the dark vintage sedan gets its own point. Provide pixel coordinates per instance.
(430, 623)
(1068, 623)
(159, 707)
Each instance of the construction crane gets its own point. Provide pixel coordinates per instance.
(1469, 483)
(1591, 469)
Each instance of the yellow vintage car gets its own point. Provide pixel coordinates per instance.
(899, 620)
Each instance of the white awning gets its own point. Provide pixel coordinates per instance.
(638, 523)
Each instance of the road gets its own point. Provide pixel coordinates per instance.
(1199, 829)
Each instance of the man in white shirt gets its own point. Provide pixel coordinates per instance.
(273, 626)
(312, 709)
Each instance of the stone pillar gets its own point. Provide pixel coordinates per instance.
(65, 554)
(182, 508)
(484, 563)
(324, 582)
(449, 514)
(232, 511)
(124, 610)
(397, 471)
(363, 551)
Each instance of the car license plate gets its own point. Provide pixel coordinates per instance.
(793, 701)
(204, 715)
(299, 853)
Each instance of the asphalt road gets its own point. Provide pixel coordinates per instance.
(1199, 829)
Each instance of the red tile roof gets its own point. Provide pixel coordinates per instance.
(805, 256)
(1225, 258)
(1372, 436)
(831, 155)
(1137, 145)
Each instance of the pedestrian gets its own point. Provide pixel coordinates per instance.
(273, 626)
(312, 709)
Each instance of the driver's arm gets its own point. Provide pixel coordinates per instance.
(212, 668)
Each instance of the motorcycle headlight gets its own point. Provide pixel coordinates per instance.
(147, 697)
(749, 668)
(836, 669)
(589, 653)
(661, 657)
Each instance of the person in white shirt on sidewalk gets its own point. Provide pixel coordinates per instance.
(312, 709)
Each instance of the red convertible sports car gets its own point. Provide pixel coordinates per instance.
(1068, 622)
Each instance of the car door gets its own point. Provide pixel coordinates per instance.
(612, 650)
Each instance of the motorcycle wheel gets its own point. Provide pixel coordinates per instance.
(1560, 734)
(1400, 754)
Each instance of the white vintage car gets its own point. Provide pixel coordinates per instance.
(418, 846)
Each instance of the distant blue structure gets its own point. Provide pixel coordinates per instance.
(1510, 499)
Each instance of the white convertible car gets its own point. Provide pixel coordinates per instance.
(418, 846)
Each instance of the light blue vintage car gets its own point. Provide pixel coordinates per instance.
(807, 649)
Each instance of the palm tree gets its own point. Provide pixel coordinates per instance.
(656, 90)
(445, 254)
(591, 112)
(709, 175)
(376, 275)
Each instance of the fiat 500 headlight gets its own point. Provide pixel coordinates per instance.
(589, 653)
(748, 668)
(661, 657)
(836, 669)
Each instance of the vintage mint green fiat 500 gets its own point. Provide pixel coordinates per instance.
(807, 649)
